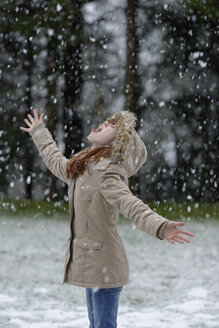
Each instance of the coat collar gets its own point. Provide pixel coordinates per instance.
(103, 164)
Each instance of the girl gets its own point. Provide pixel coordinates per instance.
(98, 191)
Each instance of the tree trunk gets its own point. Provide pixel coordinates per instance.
(72, 87)
(132, 88)
(28, 159)
(51, 111)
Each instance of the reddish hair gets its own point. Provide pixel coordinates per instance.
(78, 163)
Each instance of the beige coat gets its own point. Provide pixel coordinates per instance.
(95, 256)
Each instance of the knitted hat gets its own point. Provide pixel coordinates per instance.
(125, 124)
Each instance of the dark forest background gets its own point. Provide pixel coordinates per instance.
(81, 61)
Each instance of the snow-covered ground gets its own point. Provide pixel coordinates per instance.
(170, 285)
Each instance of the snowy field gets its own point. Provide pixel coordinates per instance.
(170, 285)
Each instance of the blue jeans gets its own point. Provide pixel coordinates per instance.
(102, 306)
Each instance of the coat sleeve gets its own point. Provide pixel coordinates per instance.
(115, 191)
(161, 229)
(50, 154)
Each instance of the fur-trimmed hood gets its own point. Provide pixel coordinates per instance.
(136, 155)
(128, 147)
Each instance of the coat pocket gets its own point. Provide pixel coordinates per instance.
(107, 206)
(90, 195)
(111, 213)
(88, 243)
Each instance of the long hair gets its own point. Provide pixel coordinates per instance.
(78, 163)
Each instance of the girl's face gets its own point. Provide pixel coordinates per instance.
(104, 135)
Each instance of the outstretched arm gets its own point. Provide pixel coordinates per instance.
(116, 193)
(42, 138)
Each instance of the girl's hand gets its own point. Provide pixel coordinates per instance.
(33, 121)
(171, 233)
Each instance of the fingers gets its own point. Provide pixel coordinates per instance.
(27, 122)
(41, 117)
(182, 238)
(35, 114)
(178, 240)
(25, 129)
(172, 240)
(186, 233)
(31, 118)
(179, 223)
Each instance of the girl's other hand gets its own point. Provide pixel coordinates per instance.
(33, 121)
(172, 234)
